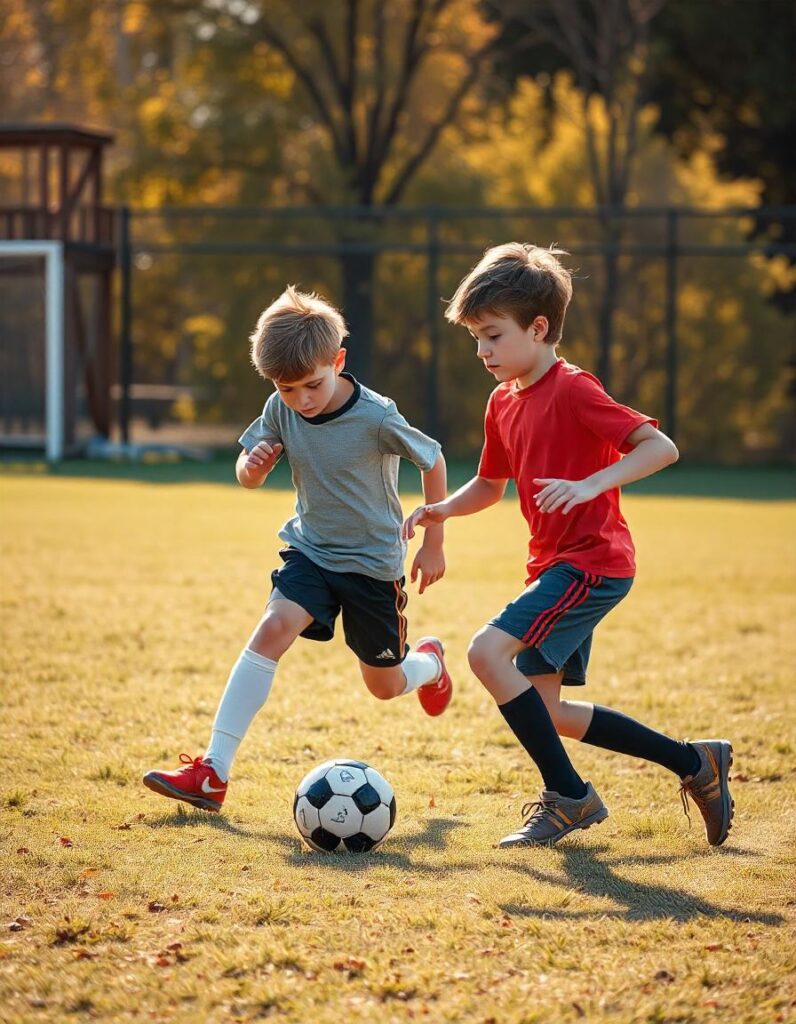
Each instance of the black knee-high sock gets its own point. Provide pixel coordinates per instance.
(614, 731)
(530, 721)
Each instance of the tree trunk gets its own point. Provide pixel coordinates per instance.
(359, 273)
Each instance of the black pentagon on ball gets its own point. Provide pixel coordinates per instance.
(319, 793)
(360, 843)
(325, 840)
(366, 798)
(392, 812)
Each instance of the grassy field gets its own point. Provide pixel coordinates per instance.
(124, 604)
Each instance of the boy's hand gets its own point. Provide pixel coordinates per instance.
(426, 515)
(430, 564)
(568, 493)
(262, 458)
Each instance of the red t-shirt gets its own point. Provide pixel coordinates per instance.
(563, 426)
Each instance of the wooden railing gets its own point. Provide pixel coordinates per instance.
(92, 225)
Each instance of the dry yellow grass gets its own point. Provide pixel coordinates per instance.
(124, 604)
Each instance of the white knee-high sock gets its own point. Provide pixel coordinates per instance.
(246, 691)
(420, 669)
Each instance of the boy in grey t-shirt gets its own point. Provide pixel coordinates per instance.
(343, 551)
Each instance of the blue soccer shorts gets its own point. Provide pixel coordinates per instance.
(555, 617)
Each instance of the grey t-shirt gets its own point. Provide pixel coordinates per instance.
(345, 471)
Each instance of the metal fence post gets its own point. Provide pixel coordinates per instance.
(125, 323)
(671, 322)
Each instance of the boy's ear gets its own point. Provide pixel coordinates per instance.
(541, 326)
(339, 362)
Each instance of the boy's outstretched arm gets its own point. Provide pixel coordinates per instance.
(477, 494)
(253, 467)
(429, 561)
(652, 450)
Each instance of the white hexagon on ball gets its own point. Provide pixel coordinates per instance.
(307, 817)
(345, 779)
(341, 817)
(380, 784)
(376, 823)
(315, 775)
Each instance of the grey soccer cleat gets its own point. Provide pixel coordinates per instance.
(710, 788)
(553, 816)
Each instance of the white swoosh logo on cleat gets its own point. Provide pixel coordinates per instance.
(207, 788)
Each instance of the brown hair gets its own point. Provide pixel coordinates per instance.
(518, 280)
(297, 332)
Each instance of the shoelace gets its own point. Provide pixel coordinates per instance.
(536, 809)
(186, 759)
(685, 791)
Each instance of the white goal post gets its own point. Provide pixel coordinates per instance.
(53, 253)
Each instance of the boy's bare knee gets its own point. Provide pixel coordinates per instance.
(272, 637)
(479, 656)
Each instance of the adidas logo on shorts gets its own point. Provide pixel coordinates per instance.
(386, 653)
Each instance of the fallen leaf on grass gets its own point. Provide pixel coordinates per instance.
(714, 1003)
(105, 895)
(162, 961)
(22, 850)
(84, 954)
(88, 872)
(124, 827)
(740, 777)
(432, 802)
(664, 976)
(155, 908)
(350, 964)
(65, 841)
(712, 947)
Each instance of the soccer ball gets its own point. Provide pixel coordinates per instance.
(344, 805)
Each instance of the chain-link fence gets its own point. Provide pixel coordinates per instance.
(684, 313)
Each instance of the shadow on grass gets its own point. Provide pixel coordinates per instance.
(182, 819)
(433, 836)
(588, 873)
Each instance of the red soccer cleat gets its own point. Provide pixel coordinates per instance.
(196, 783)
(435, 697)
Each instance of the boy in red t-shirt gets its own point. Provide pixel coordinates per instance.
(569, 447)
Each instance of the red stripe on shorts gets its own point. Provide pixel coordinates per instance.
(541, 620)
(570, 607)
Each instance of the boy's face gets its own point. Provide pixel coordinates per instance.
(313, 394)
(507, 350)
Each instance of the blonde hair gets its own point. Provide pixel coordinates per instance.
(518, 280)
(296, 333)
